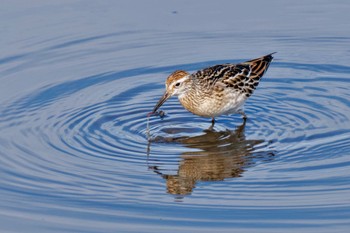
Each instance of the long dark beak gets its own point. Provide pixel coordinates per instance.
(161, 101)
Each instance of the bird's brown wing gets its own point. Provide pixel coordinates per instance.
(243, 77)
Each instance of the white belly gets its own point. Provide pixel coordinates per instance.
(232, 103)
(212, 107)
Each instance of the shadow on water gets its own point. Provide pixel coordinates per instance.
(212, 156)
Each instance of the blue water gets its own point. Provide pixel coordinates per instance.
(77, 79)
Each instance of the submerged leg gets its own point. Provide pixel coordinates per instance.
(211, 128)
(243, 115)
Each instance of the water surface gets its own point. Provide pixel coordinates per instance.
(77, 80)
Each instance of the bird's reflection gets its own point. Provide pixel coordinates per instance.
(220, 155)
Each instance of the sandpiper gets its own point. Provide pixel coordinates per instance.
(216, 90)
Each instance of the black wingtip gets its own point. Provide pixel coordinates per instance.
(269, 57)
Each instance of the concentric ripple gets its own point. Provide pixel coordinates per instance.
(94, 143)
(78, 154)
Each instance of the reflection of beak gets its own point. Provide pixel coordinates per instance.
(161, 101)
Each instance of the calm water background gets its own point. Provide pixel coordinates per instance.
(78, 77)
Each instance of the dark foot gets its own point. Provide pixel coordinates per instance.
(211, 128)
(244, 119)
(243, 115)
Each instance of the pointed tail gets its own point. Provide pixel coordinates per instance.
(259, 65)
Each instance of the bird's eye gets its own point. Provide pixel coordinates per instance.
(177, 84)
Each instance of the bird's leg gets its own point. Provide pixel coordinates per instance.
(211, 128)
(243, 115)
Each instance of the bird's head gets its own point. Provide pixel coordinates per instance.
(176, 84)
